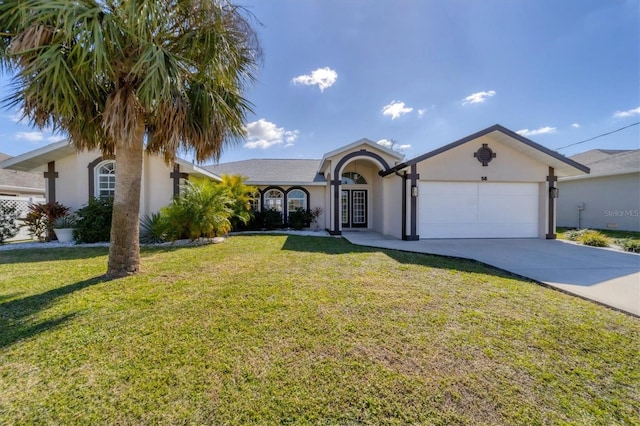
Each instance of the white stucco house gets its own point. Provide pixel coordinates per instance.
(608, 197)
(491, 184)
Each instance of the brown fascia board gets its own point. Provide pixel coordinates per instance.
(495, 127)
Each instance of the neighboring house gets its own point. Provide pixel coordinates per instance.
(607, 198)
(72, 177)
(15, 183)
(492, 184)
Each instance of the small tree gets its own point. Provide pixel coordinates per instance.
(8, 222)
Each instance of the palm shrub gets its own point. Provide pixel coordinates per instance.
(203, 209)
(8, 222)
(94, 221)
(154, 228)
(242, 196)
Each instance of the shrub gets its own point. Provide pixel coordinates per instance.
(593, 238)
(203, 209)
(94, 221)
(241, 196)
(8, 222)
(272, 219)
(299, 218)
(39, 220)
(574, 234)
(629, 244)
(153, 228)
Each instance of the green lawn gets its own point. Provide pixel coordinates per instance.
(299, 330)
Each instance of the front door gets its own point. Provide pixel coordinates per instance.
(354, 208)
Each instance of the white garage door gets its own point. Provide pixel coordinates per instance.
(478, 210)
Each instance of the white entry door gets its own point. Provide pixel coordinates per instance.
(478, 210)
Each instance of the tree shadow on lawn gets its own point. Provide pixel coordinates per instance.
(15, 315)
(342, 246)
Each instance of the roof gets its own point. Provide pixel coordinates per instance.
(609, 162)
(273, 171)
(563, 166)
(39, 158)
(19, 180)
(364, 141)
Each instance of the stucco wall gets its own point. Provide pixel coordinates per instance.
(459, 164)
(72, 184)
(610, 202)
(392, 207)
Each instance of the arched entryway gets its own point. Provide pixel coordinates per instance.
(356, 190)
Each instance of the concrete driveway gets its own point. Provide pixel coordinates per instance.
(606, 276)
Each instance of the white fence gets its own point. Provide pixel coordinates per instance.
(22, 205)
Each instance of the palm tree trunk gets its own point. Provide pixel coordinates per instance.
(124, 251)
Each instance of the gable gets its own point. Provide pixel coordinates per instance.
(498, 134)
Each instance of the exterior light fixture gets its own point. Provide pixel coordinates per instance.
(554, 192)
(414, 191)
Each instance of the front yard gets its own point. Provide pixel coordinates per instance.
(297, 330)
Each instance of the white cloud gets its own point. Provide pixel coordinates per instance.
(55, 138)
(390, 144)
(540, 131)
(30, 136)
(422, 112)
(264, 134)
(322, 77)
(395, 109)
(628, 113)
(478, 98)
(575, 125)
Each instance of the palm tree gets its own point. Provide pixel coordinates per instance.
(125, 76)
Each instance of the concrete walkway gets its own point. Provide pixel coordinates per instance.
(609, 277)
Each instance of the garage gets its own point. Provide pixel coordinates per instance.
(478, 209)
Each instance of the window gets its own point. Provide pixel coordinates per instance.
(296, 199)
(350, 178)
(106, 179)
(273, 200)
(255, 202)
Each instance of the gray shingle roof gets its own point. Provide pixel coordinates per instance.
(20, 179)
(609, 161)
(272, 171)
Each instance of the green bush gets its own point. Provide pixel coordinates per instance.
(593, 238)
(39, 220)
(272, 219)
(8, 222)
(154, 228)
(574, 234)
(203, 209)
(94, 221)
(300, 218)
(629, 244)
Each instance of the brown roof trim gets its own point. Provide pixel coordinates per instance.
(495, 127)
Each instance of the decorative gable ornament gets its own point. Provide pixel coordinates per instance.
(484, 155)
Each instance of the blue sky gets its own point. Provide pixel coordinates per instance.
(418, 74)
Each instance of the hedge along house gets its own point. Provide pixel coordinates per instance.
(73, 178)
(492, 184)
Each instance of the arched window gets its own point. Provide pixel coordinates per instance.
(296, 199)
(273, 200)
(106, 179)
(350, 178)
